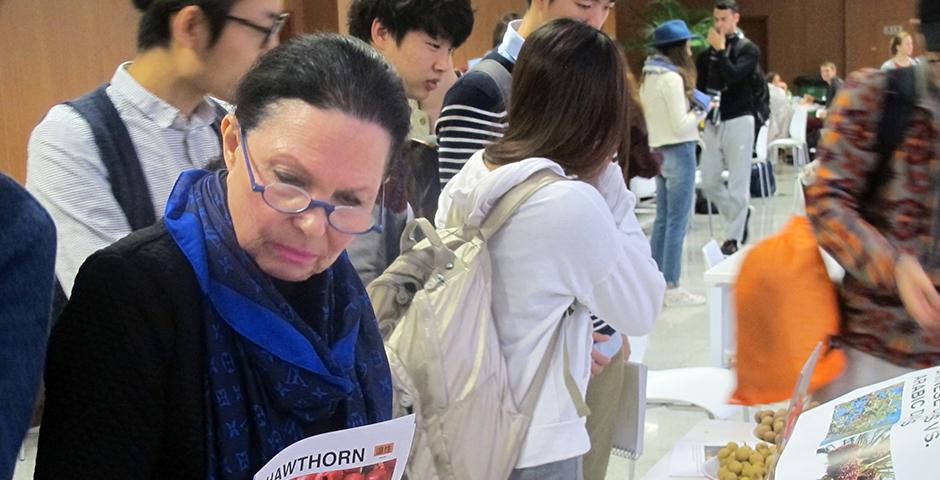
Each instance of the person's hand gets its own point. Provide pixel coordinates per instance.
(919, 295)
(822, 113)
(598, 359)
(716, 39)
(807, 99)
(626, 349)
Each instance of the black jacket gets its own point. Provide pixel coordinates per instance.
(729, 72)
(126, 368)
(124, 373)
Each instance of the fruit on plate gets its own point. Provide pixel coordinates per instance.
(770, 425)
(742, 462)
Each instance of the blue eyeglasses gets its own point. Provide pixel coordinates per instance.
(290, 199)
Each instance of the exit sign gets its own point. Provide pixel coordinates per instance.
(893, 30)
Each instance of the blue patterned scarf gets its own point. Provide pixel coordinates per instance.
(271, 376)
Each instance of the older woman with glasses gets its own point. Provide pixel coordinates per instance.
(203, 345)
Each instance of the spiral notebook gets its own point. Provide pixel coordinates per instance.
(629, 430)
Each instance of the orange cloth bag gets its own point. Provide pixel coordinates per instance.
(786, 304)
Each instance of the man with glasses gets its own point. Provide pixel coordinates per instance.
(103, 165)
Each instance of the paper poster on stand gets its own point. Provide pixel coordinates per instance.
(372, 452)
(886, 431)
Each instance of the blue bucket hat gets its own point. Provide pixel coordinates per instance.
(671, 31)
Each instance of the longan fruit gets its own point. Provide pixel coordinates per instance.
(778, 426)
(735, 467)
(742, 454)
(769, 436)
(723, 453)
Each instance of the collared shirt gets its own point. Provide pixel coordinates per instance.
(420, 122)
(512, 41)
(66, 174)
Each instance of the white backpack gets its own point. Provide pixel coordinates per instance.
(433, 304)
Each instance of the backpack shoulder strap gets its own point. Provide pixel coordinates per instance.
(896, 108)
(500, 75)
(513, 199)
(528, 403)
(220, 112)
(125, 175)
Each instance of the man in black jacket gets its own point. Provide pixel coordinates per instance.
(726, 69)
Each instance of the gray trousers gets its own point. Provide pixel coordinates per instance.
(729, 146)
(564, 470)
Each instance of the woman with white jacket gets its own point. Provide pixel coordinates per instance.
(666, 93)
(574, 243)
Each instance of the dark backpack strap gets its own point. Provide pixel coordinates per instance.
(220, 112)
(500, 75)
(896, 109)
(125, 174)
(899, 99)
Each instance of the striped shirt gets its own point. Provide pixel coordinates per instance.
(66, 174)
(474, 111)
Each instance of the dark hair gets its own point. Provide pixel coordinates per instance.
(154, 28)
(444, 19)
(896, 42)
(569, 100)
(528, 3)
(769, 78)
(728, 5)
(330, 72)
(678, 54)
(499, 30)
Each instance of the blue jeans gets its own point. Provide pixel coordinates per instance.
(675, 186)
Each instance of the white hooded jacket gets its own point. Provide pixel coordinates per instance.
(570, 241)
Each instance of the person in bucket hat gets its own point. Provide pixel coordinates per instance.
(672, 117)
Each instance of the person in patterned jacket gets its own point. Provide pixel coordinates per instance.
(878, 216)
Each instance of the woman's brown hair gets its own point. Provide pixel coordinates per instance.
(569, 100)
(678, 54)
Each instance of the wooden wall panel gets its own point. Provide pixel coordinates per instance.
(866, 20)
(50, 51)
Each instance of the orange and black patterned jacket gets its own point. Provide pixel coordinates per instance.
(900, 217)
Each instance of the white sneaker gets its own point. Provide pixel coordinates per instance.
(680, 297)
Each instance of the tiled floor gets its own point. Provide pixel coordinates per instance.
(680, 338)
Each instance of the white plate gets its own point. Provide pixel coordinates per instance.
(711, 468)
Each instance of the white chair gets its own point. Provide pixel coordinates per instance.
(760, 158)
(764, 167)
(705, 389)
(712, 253)
(797, 141)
